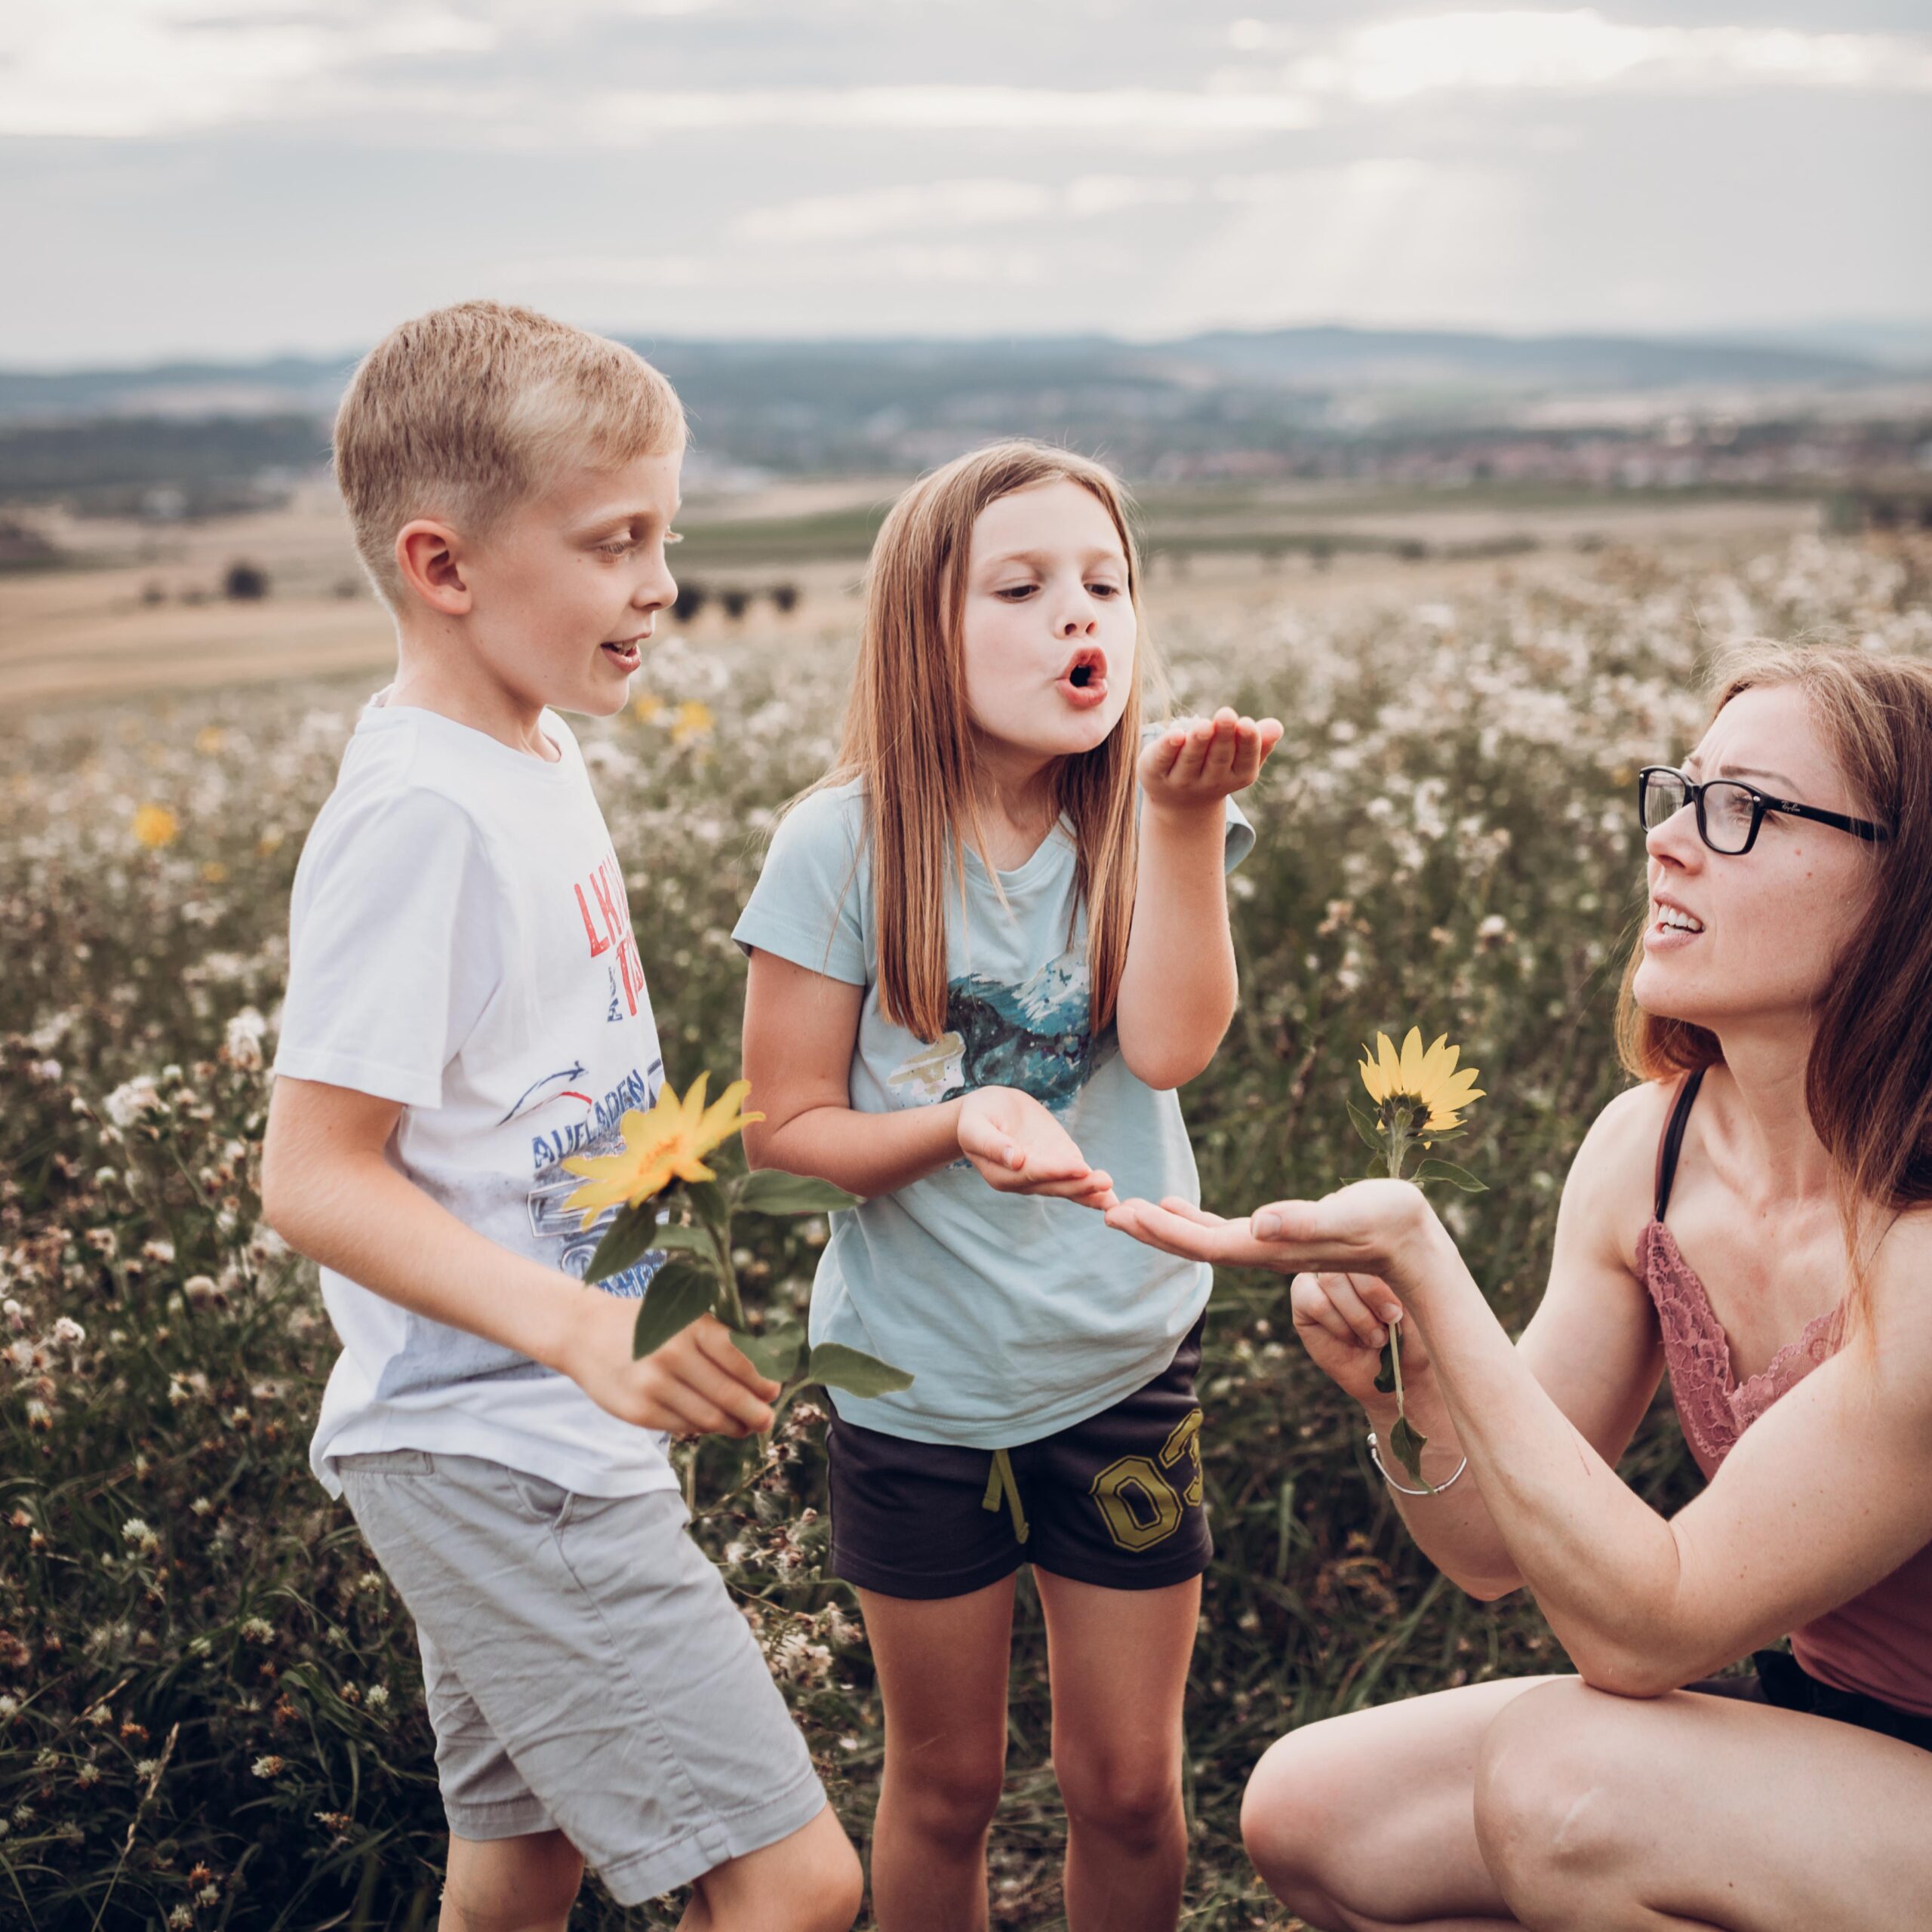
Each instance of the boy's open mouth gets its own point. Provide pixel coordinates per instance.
(1084, 682)
(628, 654)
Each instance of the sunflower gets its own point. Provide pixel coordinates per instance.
(1428, 1083)
(667, 1143)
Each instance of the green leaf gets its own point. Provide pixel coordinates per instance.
(838, 1366)
(682, 1235)
(1407, 1443)
(679, 1293)
(776, 1352)
(625, 1242)
(713, 1209)
(768, 1191)
(1447, 1172)
(1385, 1375)
(1366, 1125)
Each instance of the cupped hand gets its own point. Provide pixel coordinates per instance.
(1020, 1148)
(698, 1383)
(1369, 1227)
(1198, 760)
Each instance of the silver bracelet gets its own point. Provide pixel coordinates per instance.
(1402, 1488)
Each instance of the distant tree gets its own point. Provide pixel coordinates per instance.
(346, 587)
(785, 597)
(692, 598)
(245, 583)
(736, 602)
(154, 592)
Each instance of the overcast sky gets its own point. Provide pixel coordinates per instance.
(242, 176)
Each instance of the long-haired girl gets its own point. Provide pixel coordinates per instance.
(985, 951)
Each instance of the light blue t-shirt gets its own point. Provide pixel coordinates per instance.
(1017, 1315)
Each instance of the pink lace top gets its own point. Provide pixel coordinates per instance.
(1879, 1643)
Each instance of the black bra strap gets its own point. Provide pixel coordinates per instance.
(1673, 1139)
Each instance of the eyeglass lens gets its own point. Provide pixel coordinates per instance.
(1727, 809)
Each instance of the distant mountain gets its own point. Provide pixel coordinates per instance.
(862, 376)
(1279, 402)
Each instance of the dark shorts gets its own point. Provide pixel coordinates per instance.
(1781, 1681)
(1115, 1500)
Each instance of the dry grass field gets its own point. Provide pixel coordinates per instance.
(140, 609)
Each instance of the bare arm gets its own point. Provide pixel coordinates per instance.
(328, 1189)
(1822, 1496)
(1592, 1343)
(800, 1029)
(1177, 990)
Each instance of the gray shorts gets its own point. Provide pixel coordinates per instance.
(586, 1670)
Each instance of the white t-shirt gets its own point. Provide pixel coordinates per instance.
(459, 941)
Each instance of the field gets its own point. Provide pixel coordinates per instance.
(210, 1711)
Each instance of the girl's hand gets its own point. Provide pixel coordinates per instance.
(1343, 1321)
(1199, 761)
(1019, 1148)
(1384, 1228)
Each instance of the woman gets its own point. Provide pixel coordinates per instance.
(1779, 1011)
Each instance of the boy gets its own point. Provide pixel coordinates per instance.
(466, 1009)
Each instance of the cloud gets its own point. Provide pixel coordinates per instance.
(1477, 51)
(499, 73)
(123, 68)
(972, 203)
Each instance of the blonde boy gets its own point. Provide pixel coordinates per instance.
(466, 1009)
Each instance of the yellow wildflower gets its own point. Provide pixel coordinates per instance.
(208, 739)
(694, 721)
(1430, 1080)
(667, 1143)
(154, 826)
(214, 872)
(646, 707)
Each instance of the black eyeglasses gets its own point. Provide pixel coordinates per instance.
(1729, 811)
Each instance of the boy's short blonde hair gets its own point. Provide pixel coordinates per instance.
(462, 412)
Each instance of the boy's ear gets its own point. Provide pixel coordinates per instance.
(428, 556)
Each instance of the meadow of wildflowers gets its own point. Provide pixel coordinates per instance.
(210, 1712)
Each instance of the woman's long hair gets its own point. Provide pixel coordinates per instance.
(909, 735)
(1868, 1086)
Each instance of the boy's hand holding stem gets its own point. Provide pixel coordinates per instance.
(330, 1191)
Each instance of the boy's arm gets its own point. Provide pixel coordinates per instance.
(329, 1190)
(800, 1028)
(1177, 990)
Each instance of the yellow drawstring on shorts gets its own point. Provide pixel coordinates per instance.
(1000, 1487)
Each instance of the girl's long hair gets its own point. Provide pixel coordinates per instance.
(909, 735)
(1868, 1086)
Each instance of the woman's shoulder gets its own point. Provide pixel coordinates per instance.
(1613, 1178)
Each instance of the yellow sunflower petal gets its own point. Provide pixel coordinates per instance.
(1389, 1064)
(1438, 1062)
(1371, 1076)
(1412, 1061)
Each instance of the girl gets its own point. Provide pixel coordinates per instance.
(1778, 1012)
(995, 936)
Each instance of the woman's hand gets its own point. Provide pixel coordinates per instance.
(1343, 1321)
(1384, 1228)
(1020, 1148)
(1200, 760)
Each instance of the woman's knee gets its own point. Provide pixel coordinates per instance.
(1558, 1788)
(1297, 1813)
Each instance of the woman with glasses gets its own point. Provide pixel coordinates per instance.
(1754, 1217)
